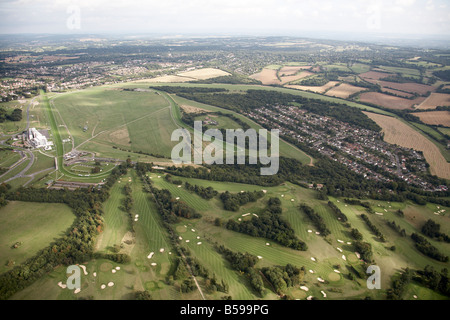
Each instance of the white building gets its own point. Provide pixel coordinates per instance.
(38, 140)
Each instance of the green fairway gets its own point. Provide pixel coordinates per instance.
(33, 225)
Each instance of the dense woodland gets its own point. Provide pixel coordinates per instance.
(270, 225)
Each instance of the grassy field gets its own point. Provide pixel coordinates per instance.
(201, 235)
(139, 121)
(34, 225)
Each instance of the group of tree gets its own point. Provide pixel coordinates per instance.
(169, 178)
(282, 278)
(373, 227)
(432, 230)
(337, 212)
(171, 209)
(365, 250)
(128, 203)
(233, 201)
(357, 202)
(206, 193)
(399, 285)
(356, 234)
(317, 219)
(15, 115)
(424, 246)
(244, 263)
(433, 279)
(397, 228)
(270, 225)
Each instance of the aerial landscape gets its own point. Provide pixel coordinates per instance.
(89, 181)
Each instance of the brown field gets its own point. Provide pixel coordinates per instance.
(204, 74)
(418, 88)
(266, 76)
(435, 100)
(321, 89)
(291, 71)
(435, 118)
(190, 109)
(302, 75)
(388, 101)
(167, 79)
(399, 93)
(397, 132)
(344, 91)
(375, 75)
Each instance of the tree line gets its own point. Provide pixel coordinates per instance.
(270, 225)
(317, 219)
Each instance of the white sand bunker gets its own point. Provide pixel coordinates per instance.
(313, 259)
(117, 268)
(340, 241)
(267, 244)
(246, 214)
(61, 285)
(337, 271)
(179, 186)
(343, 257)
(78, 290)
(150, 255)
(311, 271)
(324, 294)
(84, 269)
(339, 249)
(181, 238)
(153, 264)
(161, 250)
(309, 298)
(265, 191)
(292, 200)
(193, 230)
(110, 284)
(177, 198)
(113, 271)
(358, 255)
(304, 288)
(95, 274)
(320, 280)
(318, 233)
(198, 237)
(187, 241)
(199, 243)
(103, 286)
(310, 231)
(256, 215)
(259, 257)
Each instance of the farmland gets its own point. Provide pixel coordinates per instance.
(343, 91)
(397, 132)
(388, 101)
(435, 100)
(435, 118)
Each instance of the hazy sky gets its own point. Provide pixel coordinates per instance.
(271, 17)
